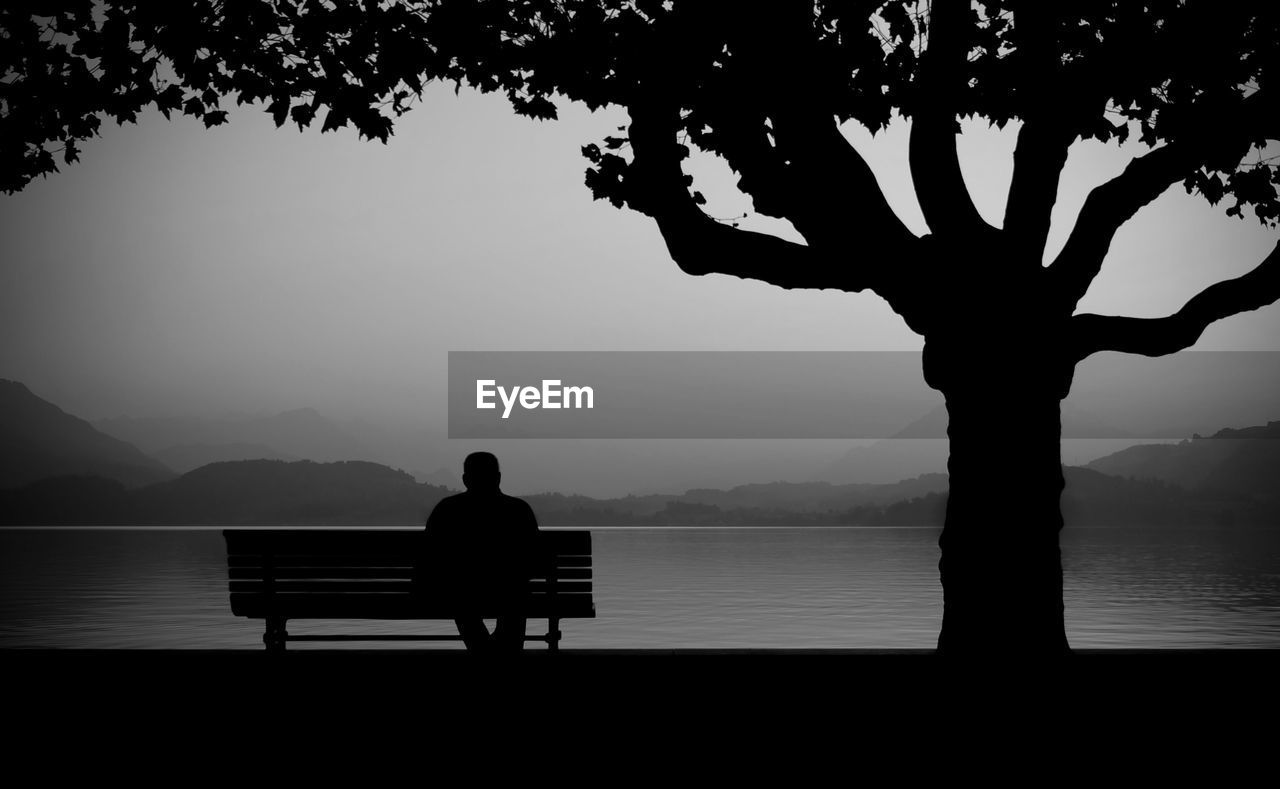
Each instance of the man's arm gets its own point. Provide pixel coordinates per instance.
(438, 520)
(531, 546)
(531, 519)
(432, 552)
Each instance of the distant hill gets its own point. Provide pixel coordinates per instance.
(188, 457)
(1092, 499)
(361, 493)
(441, 477)
(1076, 423)
(692, 509)
(303, 492)
(251, 492)
(920, 448)
(38, 440)
(1231, 462)
(69, 501)
(889, 460)
(1234, 487)
(789, 499)
(819, 496)
(301, 433)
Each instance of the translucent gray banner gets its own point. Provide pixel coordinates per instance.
(827, 395)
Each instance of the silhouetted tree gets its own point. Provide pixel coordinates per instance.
(766, 86)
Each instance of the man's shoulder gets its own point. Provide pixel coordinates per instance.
(517, 504)
(466, 501)
(446, 507)
(449, 502)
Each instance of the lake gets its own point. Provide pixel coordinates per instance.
(674, 588)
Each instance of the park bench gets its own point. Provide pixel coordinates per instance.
(278, 575)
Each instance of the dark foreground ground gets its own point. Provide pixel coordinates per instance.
(679, 679)
(1190, 713)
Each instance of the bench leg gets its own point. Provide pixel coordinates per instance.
(553, 634)
(276, 635)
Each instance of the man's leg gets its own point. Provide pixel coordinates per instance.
(474, 634)
(508, 635)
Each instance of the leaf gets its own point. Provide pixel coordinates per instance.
(45, 162)
(279, 110)
(374, 126)
(898, 19)
(333, 120)
(302, 115)
(215, 118)
(1212, 188)
(538, 107)
(169, 100)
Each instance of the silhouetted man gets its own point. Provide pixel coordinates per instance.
(480, 553)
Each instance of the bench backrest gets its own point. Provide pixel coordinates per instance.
(368, 574)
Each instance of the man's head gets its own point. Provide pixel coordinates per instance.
(480, 472)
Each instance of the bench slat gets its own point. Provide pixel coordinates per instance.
(368, 573)
(391, 606)
(360, 560)
(255, 573)
(377, 541)
(323, 560)
(311, 586)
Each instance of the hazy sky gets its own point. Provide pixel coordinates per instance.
(178, 270)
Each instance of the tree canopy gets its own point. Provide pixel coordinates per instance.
(766, 86)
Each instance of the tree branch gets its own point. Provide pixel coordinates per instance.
(1046, 134)
(836, 186)
(1173, 333)
(935, 164)
(657, 187)
(1145, 178)
(775, 123)
(1107, 208)
(1038, 160)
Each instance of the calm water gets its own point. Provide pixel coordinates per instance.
(794, 588)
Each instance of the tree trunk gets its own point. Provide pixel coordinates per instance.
(1001, 566)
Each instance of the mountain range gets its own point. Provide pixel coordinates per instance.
(41, 441)
(1231, 462)
(301, 433)
(59, 469)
